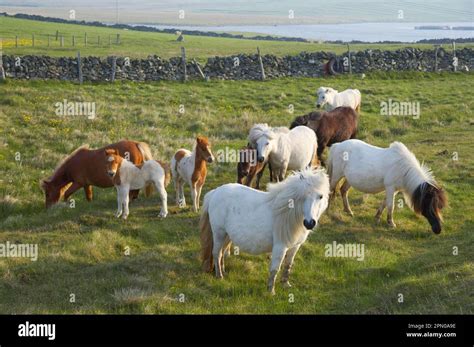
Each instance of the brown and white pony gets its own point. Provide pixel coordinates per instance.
(330, 127)
(85, 168)
(191, 168)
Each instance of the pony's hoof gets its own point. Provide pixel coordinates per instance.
(391, 225)
(271, 291)
(117, 215)
(286, 284)
(162, 214)
(124, 217)
(350, 213)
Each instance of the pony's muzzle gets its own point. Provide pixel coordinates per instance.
(309, 224)
(318, 105)
(260, 159)
(111, 173)
(210, 159)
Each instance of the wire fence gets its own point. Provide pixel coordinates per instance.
(59, 39)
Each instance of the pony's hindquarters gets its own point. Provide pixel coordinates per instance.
(206, 235)
(145, 151)
(334, 169)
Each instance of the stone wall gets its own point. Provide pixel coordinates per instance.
(239, 67)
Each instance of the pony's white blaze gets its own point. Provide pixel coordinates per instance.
(372, 169)
(284, 149)
(132, 177)
(331, 98)
(261, 222)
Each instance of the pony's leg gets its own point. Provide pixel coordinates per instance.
(193, 197)
(119, 203)
(71, 190)
(226, 251)
(287, 264)
(160, 187)
(125, 201)
(217, 252)
(390, 197)
(182, 199)
(380, 210)
(278, 253)
(88, 191)
(344, 193)
(198, 195)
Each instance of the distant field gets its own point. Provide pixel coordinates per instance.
(81, 249)
(142, 44)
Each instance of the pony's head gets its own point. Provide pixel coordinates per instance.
(325, 95)
(203, 149)
(52, 192)
(429, 200)
(246, 161)
(298, 202)
(300, 120)
(113, 162)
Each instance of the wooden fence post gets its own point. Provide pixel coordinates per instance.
(2, 70)
(79, 67)
(349, 57)
(455, 60)
(16, 41)
(57, 35)
(114, 67)
(261, 63)
(183, 61)
(49, 40)
(436, 58)
(198, 67)
(85, 39)
(73, 41)
(118, 39)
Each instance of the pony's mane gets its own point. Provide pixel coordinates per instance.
(259, 130)
(66, 159)
(414, 172)
(287, 197)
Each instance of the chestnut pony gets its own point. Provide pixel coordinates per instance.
(85, 168)
(330, 127)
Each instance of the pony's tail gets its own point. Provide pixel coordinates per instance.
(145, 151)
(167, 169)
(206, 236)
(146, 154)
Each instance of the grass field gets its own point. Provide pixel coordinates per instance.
(82, 249)
(142, 44)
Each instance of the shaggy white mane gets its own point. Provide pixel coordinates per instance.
(287, 199)
(262, 129)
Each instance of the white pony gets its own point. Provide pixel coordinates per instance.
(331, 98)
(127, 176)
(373, 169)
(293, 149)
(277, 221)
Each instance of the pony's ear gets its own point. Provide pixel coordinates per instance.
(301, 176)
(110, 151)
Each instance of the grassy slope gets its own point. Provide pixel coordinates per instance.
(142, 44)
(82, 249)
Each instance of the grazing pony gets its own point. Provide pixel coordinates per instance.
(190, 167)
(85, 168)
(248, 167)
(373, 169)
(292, 150)
(331, 98)
(277, 221)
(126, 175)
(330, 127)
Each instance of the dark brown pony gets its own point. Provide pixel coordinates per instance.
(248, 168)
(330, 127)
(85, 168)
